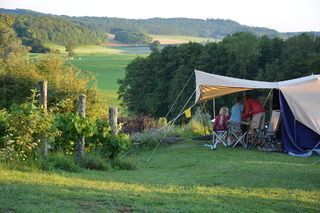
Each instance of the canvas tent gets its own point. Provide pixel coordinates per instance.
(299, 103)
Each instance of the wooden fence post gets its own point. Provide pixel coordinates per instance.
(43, 97)
(81, 139)
(113, 118)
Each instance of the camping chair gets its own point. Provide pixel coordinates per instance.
(219, 136)
(241, 136)
(254, 138)
(269, 137)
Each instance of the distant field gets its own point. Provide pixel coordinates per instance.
(169, 39)
(107, 68)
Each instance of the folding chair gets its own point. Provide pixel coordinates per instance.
(219, 136)
(269, 137)
(258, 134)
(241, 136)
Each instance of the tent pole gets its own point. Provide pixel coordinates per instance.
(214, 107)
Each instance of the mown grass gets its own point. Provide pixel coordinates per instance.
(107, 68)
(184, 177)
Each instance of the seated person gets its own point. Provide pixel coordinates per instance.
(235, 120)
(220, 124)
(221, 120)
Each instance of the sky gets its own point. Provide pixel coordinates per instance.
(281, 15)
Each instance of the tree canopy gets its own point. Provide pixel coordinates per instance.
(35, 31)
(152, 84)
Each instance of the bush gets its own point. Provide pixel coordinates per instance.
(123, 164)
(70, 126)
(140, 123)
(199, 124)
(26, 131)
(111, 146)
(3, 127)
(60, 161)
(94, 162)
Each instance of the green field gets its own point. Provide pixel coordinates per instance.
(178, 39)
(185, 177)
(106, 67)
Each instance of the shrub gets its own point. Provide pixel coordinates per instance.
(113, 145)
(94, 162)
(123, 164)
(70, 126)
(27, 129)
(60, 161)
(3, 126)
(141, 123)
(199, 124)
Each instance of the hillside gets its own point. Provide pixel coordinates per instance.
(36, 30)
(212, 28)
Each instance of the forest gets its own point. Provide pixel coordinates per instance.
(214, 28)
(36, 31)
(152, 84)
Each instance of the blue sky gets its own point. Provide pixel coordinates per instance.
(281, 15)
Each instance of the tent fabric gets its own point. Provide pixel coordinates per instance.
(296, 138)
(302, 94)
(304, 101)
(208, 92)
(210, 86)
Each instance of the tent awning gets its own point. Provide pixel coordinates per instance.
(209, 86)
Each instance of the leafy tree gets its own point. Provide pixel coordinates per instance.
(70, 49)
(152, 84)
(155, 46)
(130, 36)
(245, 48)
(10, 44)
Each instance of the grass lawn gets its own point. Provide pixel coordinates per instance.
(185, 177)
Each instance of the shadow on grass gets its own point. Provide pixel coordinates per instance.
(127, 198)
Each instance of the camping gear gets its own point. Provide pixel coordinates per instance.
(219, 136)
(242, 136)
(299, 104)
(269, 137)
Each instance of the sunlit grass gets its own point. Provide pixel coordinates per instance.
(94, 49)
(178, 39)
(181, 177)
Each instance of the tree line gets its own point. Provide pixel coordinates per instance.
(215, 28)
(130, 36)
(152, 84)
